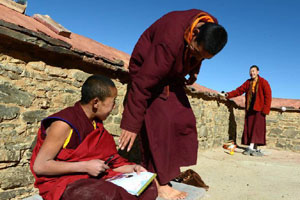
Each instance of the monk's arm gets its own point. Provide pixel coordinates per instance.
(45, 163)
(238, 91)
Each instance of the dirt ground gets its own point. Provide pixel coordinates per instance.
(238, 177)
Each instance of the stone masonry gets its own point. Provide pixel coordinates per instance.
(31, 91)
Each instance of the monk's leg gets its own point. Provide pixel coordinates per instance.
(164, 191)
(91, 188)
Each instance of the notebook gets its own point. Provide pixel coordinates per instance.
(132, 182)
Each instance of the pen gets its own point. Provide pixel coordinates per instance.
(109, 159)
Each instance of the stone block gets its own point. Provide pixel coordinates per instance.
(295, 142)
(77, 92)
(55, 71)
(10, 194)
(115, 111)
(62, 80)
(291, 133)
(18, 144)
(269, 121)
(296, 148)
(41, 77)
(69, 99)
(274, 132)
(271, 142)
(12, 94)
(8, 112)
(34, 116)
(12, 67)
(117, 120)
(217, 142)
(203, 132)
(7, 165)
(76, 84)
(281, 143)
(6, 128)
(79, 76)
(3, 72)
(113, 129)
(9, 155)
(39, 66)
(13, 76)
(16, 177)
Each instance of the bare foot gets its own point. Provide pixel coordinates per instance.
(169, 193)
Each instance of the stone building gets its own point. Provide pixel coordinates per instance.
(42, 67)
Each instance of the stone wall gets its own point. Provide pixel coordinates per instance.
(219, 121)
(283, 129)
(31, 91)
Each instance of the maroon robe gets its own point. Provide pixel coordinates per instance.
(254, 128)
(97, 144)
(257, 106)
(163, 117)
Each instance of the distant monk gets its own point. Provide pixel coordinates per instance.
(68, 161)
(258, 104)
(157, 107)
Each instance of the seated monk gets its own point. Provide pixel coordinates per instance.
(68, 161)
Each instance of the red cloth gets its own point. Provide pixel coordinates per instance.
(263, 96)
(99, 144)
(157, 62)
(254, 128)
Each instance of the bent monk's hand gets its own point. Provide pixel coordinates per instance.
(126, 138)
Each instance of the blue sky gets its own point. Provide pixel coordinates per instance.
(261, 32)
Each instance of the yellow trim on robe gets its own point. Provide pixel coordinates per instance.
(254, 85)
(70, 135)
(95, 125)
(68, 139)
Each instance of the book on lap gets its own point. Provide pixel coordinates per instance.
(133, 183)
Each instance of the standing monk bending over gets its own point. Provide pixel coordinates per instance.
(68, 161)
(258, 104)
(157, 108)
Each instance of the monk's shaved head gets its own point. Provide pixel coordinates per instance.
(212, 36)
(96, 86)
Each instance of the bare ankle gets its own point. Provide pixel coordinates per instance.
(169, 193)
